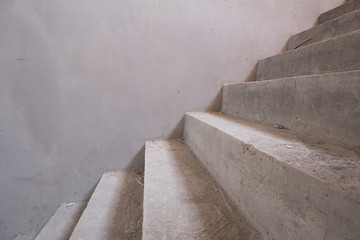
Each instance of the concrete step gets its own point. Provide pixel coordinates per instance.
(325, 106)
(339, 11)
(182, 201)
(62, 223)
(114, 210)
(344, 24)
(338, 54)
(288, 186)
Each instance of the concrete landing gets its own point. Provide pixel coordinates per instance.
(338, 54)
(182, 201)
(326, 106)
(339, 11)
(63, 222)
(344, 24)
(114, 211)
(288, 186)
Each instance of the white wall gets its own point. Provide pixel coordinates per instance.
(83, 83)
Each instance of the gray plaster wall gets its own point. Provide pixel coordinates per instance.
(83, 83)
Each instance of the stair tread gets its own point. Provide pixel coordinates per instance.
(334, 165)
(339, 11)
(114, 210)
(326, 106)
(344, 24)
(337, 54)
(62, 223)
(182, 201)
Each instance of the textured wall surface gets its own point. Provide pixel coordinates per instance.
(83, 83)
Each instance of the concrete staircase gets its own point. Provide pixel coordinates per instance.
(281, 161)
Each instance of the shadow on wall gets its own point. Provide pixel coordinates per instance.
(214, 106)
(252, 75)
(138, 161)
(285, 47)
(178, 130)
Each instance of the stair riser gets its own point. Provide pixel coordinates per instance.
(280, 201)
(338, 54)
(348, 23)
(325, 106)
(339, 11)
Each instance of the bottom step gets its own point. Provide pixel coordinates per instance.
(63, 222)
(182, 201)
(114, 210)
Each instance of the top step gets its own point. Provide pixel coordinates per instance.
(341, 25)
(339, 11)
(338, 54)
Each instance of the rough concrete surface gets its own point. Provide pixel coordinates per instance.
(114, 211)
(24, 237)
(344, 24)
(62, 224)
(80, 82)
(339, 11)
(289, 187)
(326, 106)
(182, 201)
(338, 54)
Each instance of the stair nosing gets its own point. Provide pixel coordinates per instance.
(293, 77)
(322, 25)
(312, 45)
